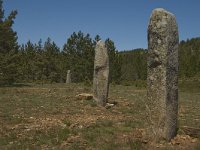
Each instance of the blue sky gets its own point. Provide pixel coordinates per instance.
(123, 21)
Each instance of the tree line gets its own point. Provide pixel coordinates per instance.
(134, 64)
(46, 62)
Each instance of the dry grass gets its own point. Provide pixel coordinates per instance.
(51, 117)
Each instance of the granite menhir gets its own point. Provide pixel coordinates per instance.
(162, 78)
(101, 74)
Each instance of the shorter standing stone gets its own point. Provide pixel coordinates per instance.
(101, 74)
(68, 79)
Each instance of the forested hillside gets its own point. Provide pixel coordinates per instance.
(134, 64)
(189, 58)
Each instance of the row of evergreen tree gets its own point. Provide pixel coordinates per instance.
(46, 62)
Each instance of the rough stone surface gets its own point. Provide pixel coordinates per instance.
(101, 74)
(84, 96)
(162, 80)
(68, 79)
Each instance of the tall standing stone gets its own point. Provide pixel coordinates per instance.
(101, 74)
(162, 80)
(68, 79)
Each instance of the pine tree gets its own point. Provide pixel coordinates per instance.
(114, 61)
(79, 52)
(51, 52)
(8, 48)
(96, 39)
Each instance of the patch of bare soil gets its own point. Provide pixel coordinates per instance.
(39, 124)
(180, 142)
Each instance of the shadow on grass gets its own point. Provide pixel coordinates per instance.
(191, 131)
(16, 85)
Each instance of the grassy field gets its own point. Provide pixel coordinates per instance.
(50, 116)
